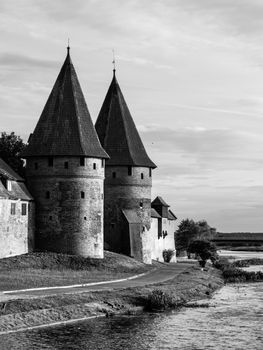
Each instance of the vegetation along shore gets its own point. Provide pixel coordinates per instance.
(190, 284)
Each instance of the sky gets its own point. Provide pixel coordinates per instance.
(191, 72)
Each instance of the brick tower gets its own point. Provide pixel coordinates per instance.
(128, 179)
(65, 172)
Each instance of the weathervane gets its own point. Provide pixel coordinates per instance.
(113, 61)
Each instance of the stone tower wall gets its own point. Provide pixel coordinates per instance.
(69, 204)
(123, 191)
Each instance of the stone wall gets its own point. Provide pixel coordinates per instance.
(123, 191)
(69, 204)
(16, 230)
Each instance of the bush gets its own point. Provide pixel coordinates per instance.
(167, 255)
(159, 300)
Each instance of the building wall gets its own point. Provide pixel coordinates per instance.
(127, 192)
(162, 243)
(16, 230)
(66, 222)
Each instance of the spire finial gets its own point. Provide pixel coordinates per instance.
(113, 62)
(68, 47)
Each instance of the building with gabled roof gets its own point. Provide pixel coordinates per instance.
(163, 227)
(128, 178)
(16, 213)
(65, 171)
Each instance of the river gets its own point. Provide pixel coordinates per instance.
(233, 320)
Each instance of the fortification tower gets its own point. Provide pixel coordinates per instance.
(128, 179)
(65, 172)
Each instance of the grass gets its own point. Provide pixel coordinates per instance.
(233, 274)
(189, 285)
(53, 269)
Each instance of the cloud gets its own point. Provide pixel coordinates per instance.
(20, 62)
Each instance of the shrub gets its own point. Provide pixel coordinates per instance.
(159, 300)
(167, 255)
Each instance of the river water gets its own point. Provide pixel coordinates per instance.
(233, 320)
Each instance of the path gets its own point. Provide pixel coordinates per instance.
(166, 272)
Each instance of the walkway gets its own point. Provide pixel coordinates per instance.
(165, 273)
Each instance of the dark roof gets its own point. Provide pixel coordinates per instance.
(117, 131)
(8, 172)
(171, 215)
(65, 127)
(159, 201)
(154, 214)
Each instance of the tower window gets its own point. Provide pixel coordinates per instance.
(85, 217)
(150, 172)
(47, 194)
(142, 176)
(129, 170)
(66, 165)
(114, 175)
(50, 161)
(23, 208)
(94, 166)
(36, 166)
(82, 194)
(9, 185)
(102, 163)
(141, 204)
(82, 161)
(13, 208)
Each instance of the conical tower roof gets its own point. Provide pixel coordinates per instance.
(65, 127)
(117, 131)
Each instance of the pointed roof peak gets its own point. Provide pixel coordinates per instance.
(65, 127)
(117, 131)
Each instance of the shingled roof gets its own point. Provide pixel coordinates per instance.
(65, 127)
(117, 131)
(159, 201)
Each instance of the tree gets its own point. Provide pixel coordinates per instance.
(204, 249)
(189, 230)
(11, 146)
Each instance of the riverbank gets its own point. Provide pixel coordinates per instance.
(189, 285)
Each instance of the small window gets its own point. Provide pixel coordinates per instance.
(142, 176)
(82, 194)
(50, 161)
(66, 165)
(129, 170)
(114, 175)
(102, 163)
(13, 208)
(82, 161)
(50, 218)
(23, 208)
(94, 166)
(143, 229)
(47, 194)
(36, 166)
(150, 172)
(29, 207)
(112, 225)
(85, 217)
(141, 204)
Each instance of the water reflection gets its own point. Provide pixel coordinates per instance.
(234, 321)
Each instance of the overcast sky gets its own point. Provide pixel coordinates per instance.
(191, 72)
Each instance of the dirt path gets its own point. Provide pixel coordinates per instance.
(166, 272)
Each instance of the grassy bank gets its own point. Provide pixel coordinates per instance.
(233, 274)
(52, 269)
(189, 285)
